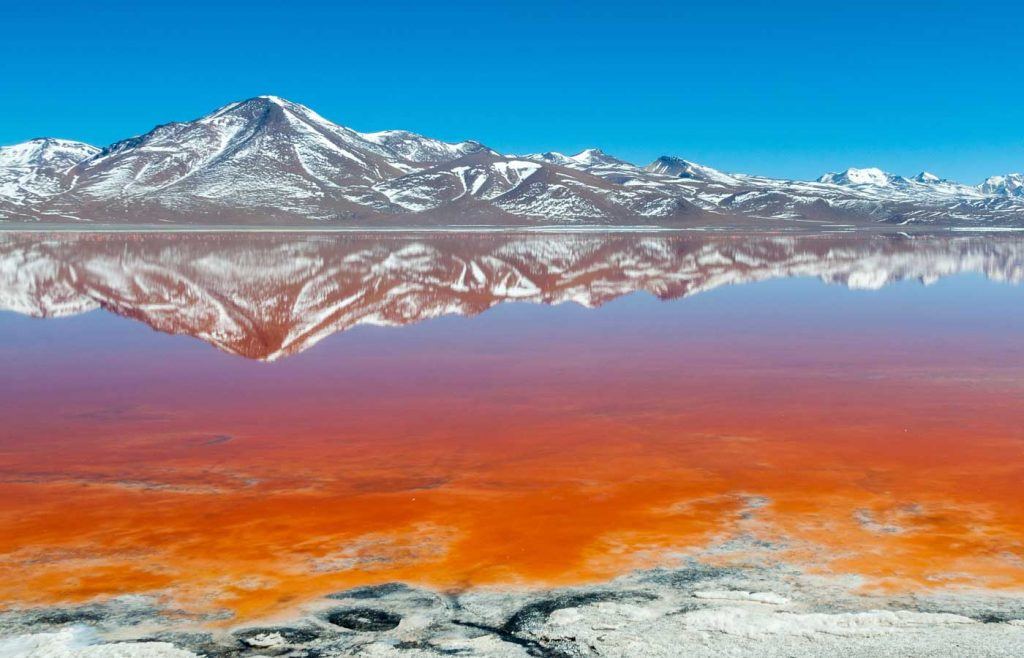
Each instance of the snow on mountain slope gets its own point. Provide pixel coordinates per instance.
(265, 155)
(35, 169)
(679, 168)
(531, 189)
(410, 147)
(855, 176)
(585, 160)
(923, 186)
(596, 157)
(553, 157)
(598, 163)
(637, 192)
(481, 177)
(58, 154)
(260, 153)
(267, 160)
(849, 196)
(1008, 185)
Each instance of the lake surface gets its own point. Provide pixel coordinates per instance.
(238, 423)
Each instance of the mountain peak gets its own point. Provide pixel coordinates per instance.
(45, 152)
(589, 157)
(859, 176)
(49, 141)
(269, 99)
(680, 168)
(1005, 185)
(670, 160)
(262, 106)
(413, 147)
(595, 156)
(274, 99)
(927, 177)
(35, 170)
(553, 157)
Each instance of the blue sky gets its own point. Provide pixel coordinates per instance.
(782, 88)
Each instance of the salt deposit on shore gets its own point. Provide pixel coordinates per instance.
(694, 611)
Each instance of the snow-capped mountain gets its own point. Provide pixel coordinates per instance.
(266, 296)
(265, 156)
(35, 170)
(483, 184)
(267, 160)
(923, 185)
(584, 160)
(1008, 185)
(679, 168)
(854, 176)
(850, 196)
(411, 147)
(45, 153)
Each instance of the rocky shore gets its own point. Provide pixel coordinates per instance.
(694, 610)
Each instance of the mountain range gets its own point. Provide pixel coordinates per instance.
(268, 161)
(270, 296)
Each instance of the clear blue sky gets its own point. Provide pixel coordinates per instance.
(784, 88)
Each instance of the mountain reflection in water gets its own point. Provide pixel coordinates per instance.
(876, 435)
(268, 296)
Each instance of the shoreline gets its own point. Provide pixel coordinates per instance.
(711, 610)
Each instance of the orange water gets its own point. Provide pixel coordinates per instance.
(529, 446)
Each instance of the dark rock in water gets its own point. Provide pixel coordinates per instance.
(372, 591)
(364, 619)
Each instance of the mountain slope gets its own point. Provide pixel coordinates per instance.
(853, 195)
(36, 170)
(413, 148)
(1010, 185)
(270, 161)
(263, 155)
(485, 184)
